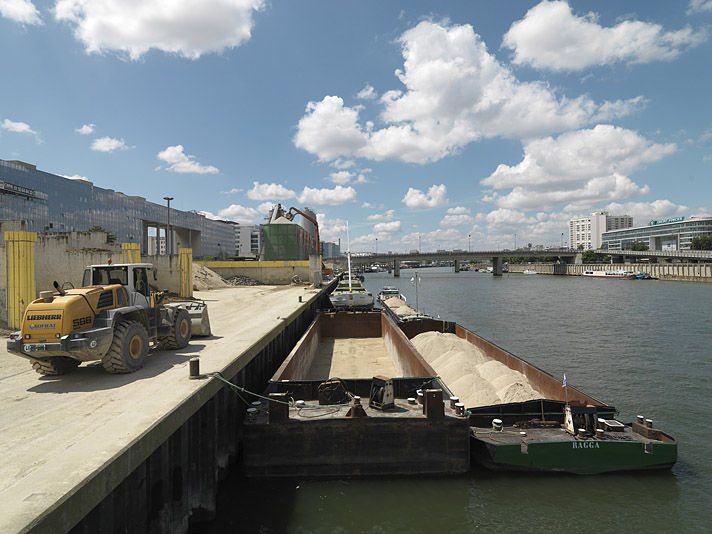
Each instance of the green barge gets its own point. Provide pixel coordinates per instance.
(564, 431)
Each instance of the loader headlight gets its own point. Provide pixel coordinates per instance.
(27, 336)
(57, 336)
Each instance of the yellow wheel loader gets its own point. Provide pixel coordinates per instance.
(115, 317)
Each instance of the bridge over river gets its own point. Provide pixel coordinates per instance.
(564, 256)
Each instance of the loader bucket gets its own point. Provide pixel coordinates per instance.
(199, 321)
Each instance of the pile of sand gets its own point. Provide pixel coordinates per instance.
(470, 375)
(399, 307)
(205, 279)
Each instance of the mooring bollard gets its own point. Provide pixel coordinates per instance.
(194, 364)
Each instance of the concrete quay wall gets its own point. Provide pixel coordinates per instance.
(178, 482)
(143, 452)
(682, 272)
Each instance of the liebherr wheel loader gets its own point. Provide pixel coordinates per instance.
(114, 317)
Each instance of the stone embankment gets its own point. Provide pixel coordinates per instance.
(470, 375)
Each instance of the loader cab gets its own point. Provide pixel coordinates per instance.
(133, 276)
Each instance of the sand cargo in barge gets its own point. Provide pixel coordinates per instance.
(315, 425)
(562, 430)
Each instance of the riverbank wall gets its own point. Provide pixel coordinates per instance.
(680, 272)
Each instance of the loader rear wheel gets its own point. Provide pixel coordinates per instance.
(180, 331)
(129, 348)
(58, 365)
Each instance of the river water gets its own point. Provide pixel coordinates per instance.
(642, 346)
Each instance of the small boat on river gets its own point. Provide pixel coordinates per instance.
(619, 274)
(389, 292)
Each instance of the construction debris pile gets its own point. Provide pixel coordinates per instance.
(243, 281)
(470, 375)
(205, 279)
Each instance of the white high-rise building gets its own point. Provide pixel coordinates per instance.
(587, 231)
(247, 240)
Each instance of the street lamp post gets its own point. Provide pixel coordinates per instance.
(469, 247)
(562, 239)
(168, 231)
(515, 241)
(376, 245)
(418, 243)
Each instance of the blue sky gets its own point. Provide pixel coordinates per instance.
(456, 123)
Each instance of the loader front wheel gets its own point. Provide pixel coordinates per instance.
(129, 348)
(180, 331)
(58, 365)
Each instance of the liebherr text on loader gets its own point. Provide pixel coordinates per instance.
(114, 317)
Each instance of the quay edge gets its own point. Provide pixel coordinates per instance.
(155, 465)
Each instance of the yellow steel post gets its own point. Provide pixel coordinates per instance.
(186, 272)
(130, 253)
(20, 265)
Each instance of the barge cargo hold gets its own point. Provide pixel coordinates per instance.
(565, 431)
(325, 433)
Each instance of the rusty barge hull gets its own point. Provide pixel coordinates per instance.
(323, 440)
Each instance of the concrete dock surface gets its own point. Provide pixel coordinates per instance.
(67, 441)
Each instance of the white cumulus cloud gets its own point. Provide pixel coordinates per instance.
(341, 177)
(582, 167)
(457, 210)
(387, 216)
(455, 92)
(550, 36)
(367, 93)
(699, 6)
(133, 27)
(332, 197)
(108, 144)
(86, 129)
(184, 163)
(19, 127)
(416, 199)
(332, 230)
(22, 11)
(239, 214)
(642, 212)
(265, 207)
(456, 220)
(269, 192)
(392, 227)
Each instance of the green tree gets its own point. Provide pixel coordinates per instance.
(589, 256)
(580, 247)
(638, 245)
(110, 236)
(701, 243)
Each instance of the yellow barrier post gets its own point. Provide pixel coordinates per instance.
(186, 272)
(130, 252)
(20, 264)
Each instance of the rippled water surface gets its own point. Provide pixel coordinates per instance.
(642, 346)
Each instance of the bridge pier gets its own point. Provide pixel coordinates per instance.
(457, 266)
(396, 268)
(497, 266)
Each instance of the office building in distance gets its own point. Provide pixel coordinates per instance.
(46, 202)
(588, 231)
(668, 234)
